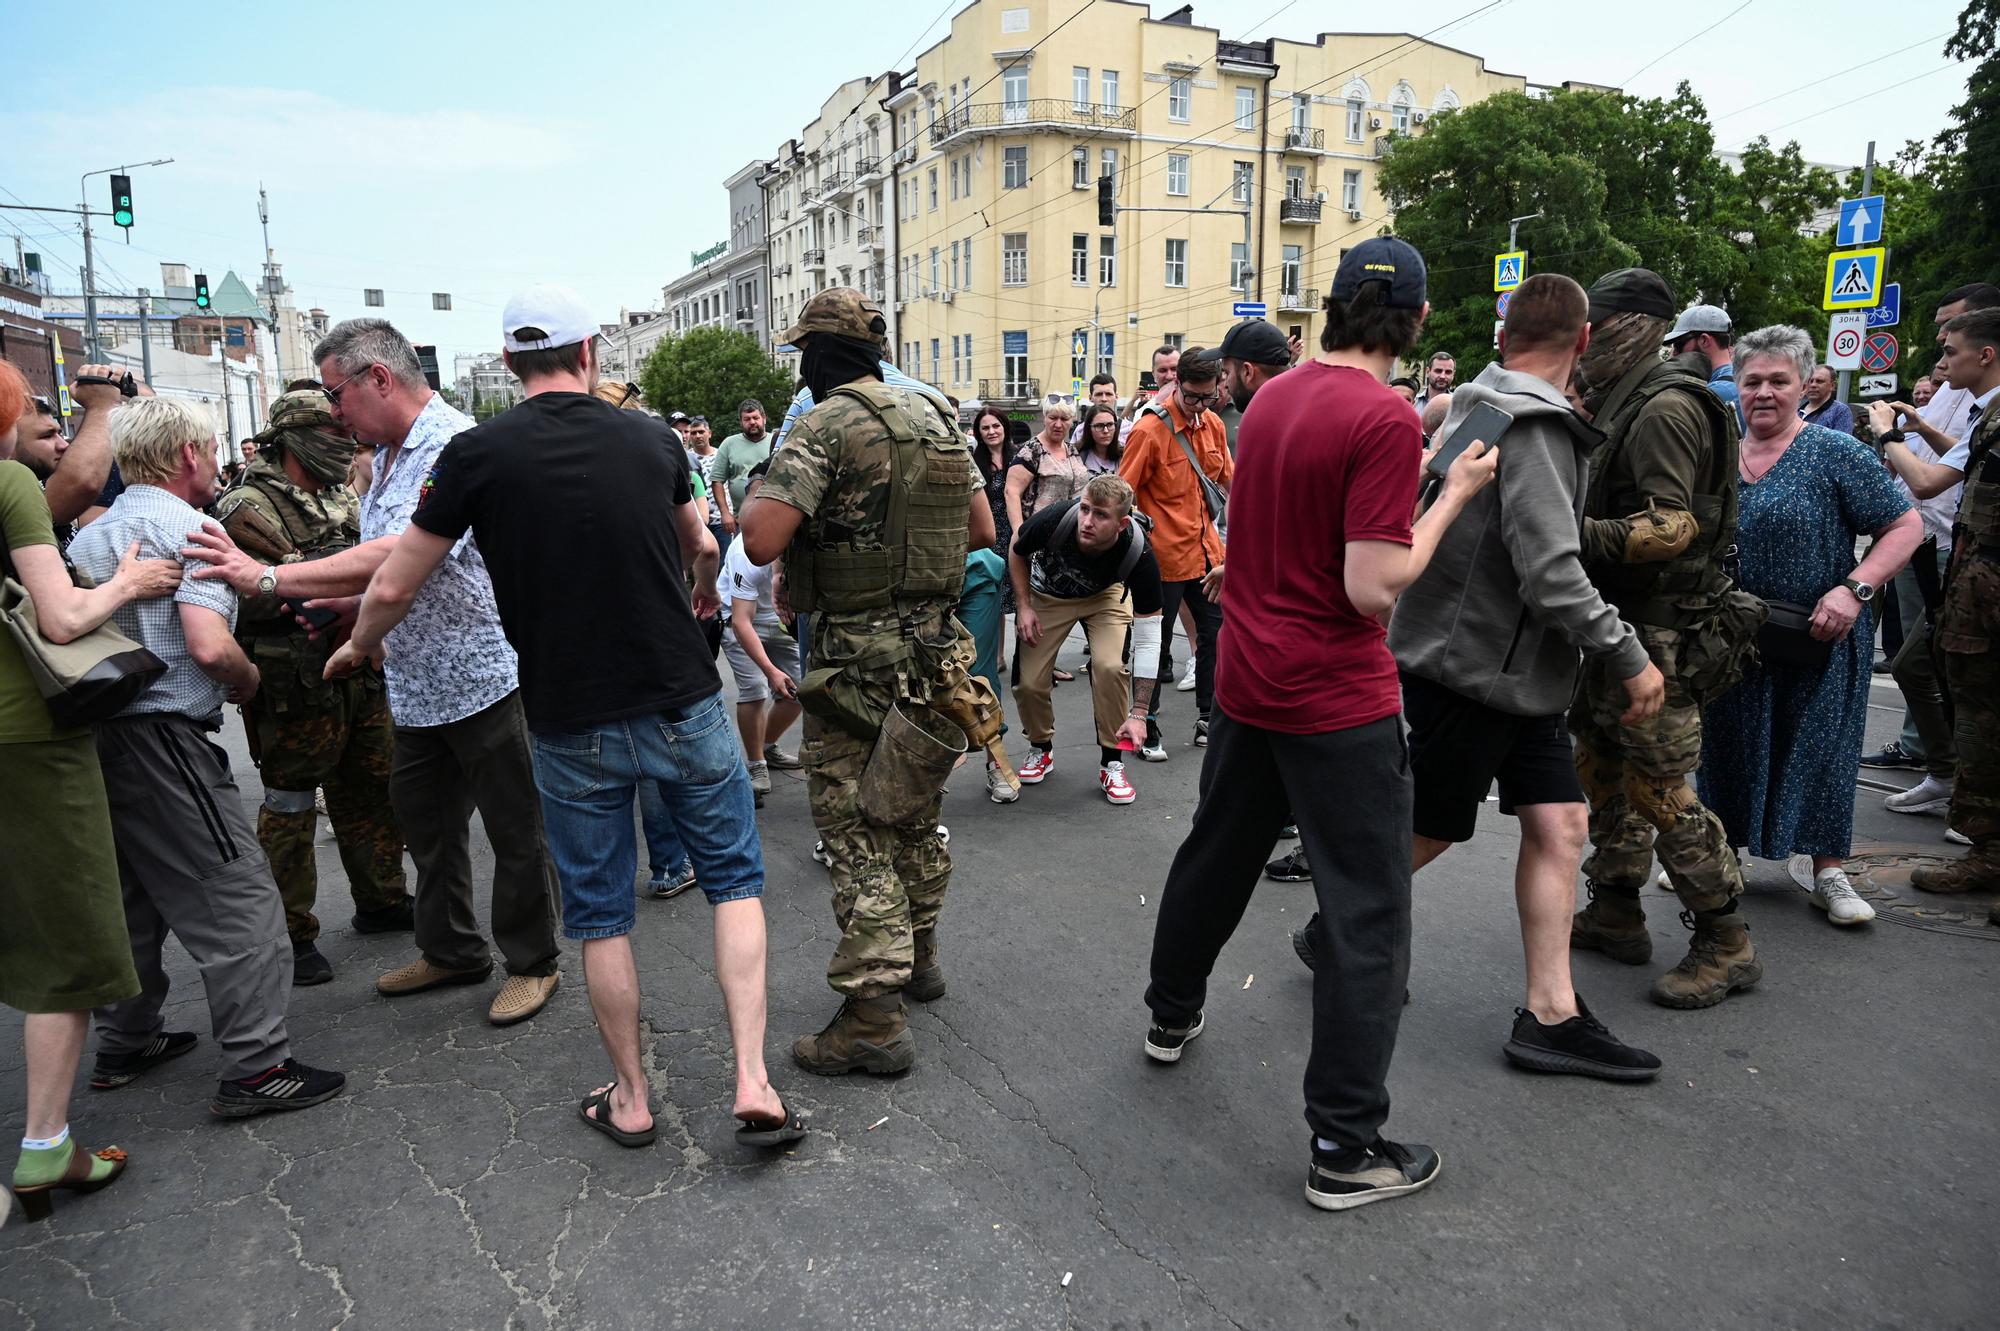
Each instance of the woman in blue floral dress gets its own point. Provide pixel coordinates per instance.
(1781, 748)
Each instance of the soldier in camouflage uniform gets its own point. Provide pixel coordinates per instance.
(306, 732)
(870, 501)
(1967, 633)
(1659, 523)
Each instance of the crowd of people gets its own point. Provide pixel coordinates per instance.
(1614, 574)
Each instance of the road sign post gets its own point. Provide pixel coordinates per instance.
(1844, 335)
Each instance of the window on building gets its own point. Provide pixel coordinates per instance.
(934, 268)
(1107, 353)
(1079, 259)
(1180, 98)
(1246, 107)
(1295, 182)
(954, 358)
(954, 179)
(1350, 191)
(1176, 263)
(953, 283)
(1178, 341)
(1177, 173)
(1239, 267)
(1107, 165)
(968, 359)
(1014, 94)
(1399, 117)
(1242, 179)
(1079, 87)
(1302, 110)
(1354, 110)
(1107, 261)
(936, 360)
(1014, 363)
(1288, 274)
(933, 188)
(1014, 167)
(1079, 168)
(1108, 83)
(1014, 259)
(966, 285)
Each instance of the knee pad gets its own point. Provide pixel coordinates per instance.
(288, 801)
(1662, 806)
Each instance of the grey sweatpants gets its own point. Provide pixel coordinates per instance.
(189, 864)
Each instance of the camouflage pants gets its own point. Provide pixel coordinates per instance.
(1975, 697)
(345, 747)
(888, 882)
(1641, 800)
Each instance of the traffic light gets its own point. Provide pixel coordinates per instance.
(1107, 211)
(201, 300)
(121, 201)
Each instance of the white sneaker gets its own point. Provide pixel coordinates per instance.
(997, 788)
(1956, 837)
(1929, 795)
(1834, 894)
(821, 854)
(1187, 681)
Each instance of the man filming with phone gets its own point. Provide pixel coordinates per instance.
(1488, 642)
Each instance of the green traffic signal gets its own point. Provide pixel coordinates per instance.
(201, 300)
(121, 200)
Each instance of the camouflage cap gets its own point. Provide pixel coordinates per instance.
(304, 409)
(844, 311)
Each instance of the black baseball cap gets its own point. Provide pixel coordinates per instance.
(1256, 341)
(1385, 259)
(1634, 291)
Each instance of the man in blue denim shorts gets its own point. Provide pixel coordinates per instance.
(564, 494)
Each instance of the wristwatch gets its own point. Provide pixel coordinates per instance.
(1864, 592)
(267, 581)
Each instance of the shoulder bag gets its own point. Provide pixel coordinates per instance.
(86, 680)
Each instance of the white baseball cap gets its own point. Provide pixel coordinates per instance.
(545, 317)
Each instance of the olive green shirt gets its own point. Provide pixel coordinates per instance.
(734, 457)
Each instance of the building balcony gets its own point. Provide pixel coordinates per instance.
(1299, 300)
(1385, 144)
(1300, 139)
(831, 185)
(813, 259)
(1300, 210)
(866, 167)
(1050, 113)
(1010, 390)
(868, 238)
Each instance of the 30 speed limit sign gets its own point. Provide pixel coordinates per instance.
(1845, 333)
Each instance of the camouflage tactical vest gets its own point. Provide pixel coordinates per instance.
(922, 553)
(1664, 593)
(275, 521)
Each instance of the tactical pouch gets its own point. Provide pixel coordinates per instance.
(845, 695)
(913, 755)
(1719, 646)
(1786, 639)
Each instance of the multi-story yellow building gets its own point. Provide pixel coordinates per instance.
(1259, 157)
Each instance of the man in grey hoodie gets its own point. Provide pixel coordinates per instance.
(1489, 644)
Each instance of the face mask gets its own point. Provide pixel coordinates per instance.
(1616, 345)
(325, 457)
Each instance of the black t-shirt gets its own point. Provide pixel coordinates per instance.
(1068, 574)
(572, 502)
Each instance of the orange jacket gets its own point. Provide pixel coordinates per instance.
(1184, 539)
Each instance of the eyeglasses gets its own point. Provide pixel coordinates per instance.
(1104, 423)
(1200, 399)
(333, 391)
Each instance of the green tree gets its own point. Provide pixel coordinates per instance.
(450, 394)
(708, 371)
(1619, 181)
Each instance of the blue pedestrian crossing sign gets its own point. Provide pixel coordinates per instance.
(1860, 221)
(1248, 309)
(1509, 269)
(1854, 279)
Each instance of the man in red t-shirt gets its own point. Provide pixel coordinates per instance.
(1326, 480)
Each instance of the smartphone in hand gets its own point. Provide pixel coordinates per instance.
(1484, 421)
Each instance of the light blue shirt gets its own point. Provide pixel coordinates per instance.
(802, 401)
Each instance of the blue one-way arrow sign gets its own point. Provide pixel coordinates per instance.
(1248, 309)
(1860, 221)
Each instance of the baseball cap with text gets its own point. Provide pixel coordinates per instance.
(1384, 259)
(545, 317)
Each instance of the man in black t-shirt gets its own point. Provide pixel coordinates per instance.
(618, 685)
(1086, 562)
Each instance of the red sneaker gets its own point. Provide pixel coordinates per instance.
(1117, 789)
(1040, 763)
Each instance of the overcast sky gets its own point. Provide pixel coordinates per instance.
(475, 149)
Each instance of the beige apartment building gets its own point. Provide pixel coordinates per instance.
(1004, 285)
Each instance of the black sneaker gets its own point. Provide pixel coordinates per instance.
(1580, 1046)
(400, 918)
(1302, 942)
(114, 1070)
(1892, 757)
(1290, 868)
(309, 966)
(1342, 1180)
(1165, 1043)
(1201, 733)
(680, 883)
(290, 1085)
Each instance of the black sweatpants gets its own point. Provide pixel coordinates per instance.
(1207, 624)
(1359, 847)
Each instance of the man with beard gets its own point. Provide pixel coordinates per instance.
(1659, 520)
(307, 731)
(729, 472)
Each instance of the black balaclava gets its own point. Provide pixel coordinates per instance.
(831, 359)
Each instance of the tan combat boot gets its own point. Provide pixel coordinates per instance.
(1976, 872)
(1720, 961)
(926, 976)
(866, 1035)
(1613, 923)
